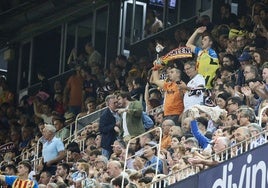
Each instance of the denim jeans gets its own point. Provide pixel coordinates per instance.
(106, 153)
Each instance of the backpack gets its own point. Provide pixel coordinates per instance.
(147, 121)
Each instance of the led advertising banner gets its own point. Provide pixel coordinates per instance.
(245, 171)
(249, 170)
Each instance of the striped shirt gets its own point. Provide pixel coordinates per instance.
(19, 183)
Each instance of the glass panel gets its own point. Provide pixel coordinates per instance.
(25, 60)
(78, 33)
(139, 22)
(154, 12)
(187, 9)
(158, 6)
(3, 63)
(101, 30)
(172, 13)
(46, 54)
(206, 4)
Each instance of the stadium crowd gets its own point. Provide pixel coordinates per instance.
(205, 104)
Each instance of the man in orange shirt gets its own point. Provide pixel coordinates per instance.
(173, 101)
(73, 92)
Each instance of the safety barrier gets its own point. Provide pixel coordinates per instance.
(157, 145)
(233, 151)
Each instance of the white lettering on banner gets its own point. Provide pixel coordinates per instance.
(247, 178)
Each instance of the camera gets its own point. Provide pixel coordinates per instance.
(197, 91)
(108, 87)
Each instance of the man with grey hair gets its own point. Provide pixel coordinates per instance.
(109, 125)
(220, 145)
(242, 136)
(114, 168)
(257, 138)
(194, 88)
(53, 149)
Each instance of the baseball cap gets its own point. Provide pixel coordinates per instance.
(245, 56)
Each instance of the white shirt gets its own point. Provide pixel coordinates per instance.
(194, 83)
(124, 118)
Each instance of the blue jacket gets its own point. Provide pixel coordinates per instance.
(202, 140)
(106, 128)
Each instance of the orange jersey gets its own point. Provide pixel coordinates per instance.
(173, 103)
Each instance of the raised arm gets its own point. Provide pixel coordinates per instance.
(190, 42)
(202, 139)
(36, 110)
(156, 80)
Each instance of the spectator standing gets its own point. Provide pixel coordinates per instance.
(226, 16)
(153, 24)
(94, 57)
(109, 125)
(194, 88)
(207, 59)
(53, 149)
(131, 114)
(250, 90)
(138, 89)
(173, 105)
(89, 84)
(44, 111)
(125, 66)
(72, 98)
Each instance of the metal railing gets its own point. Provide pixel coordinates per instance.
(168, 179)
(157, 146)
(227, 154)
(75, 127)
(81, 122)
(220, 157)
